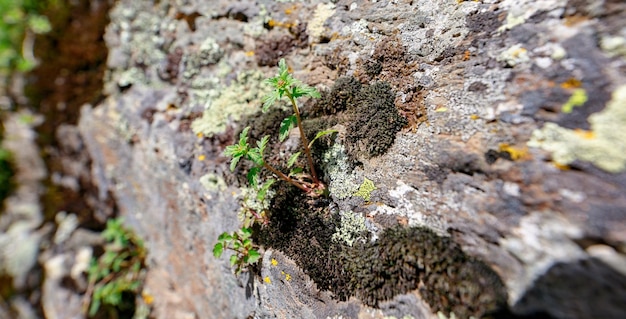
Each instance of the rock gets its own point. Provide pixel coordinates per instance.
(479, 162)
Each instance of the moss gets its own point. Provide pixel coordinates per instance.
(375, 121)
(404, 259)
(341, 96)
(604, 145)
(400, 261)
(241, 98)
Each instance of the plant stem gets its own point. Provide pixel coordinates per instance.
(305, 142)
(285, 177)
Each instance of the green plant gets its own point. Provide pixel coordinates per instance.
(285, 86)
(240, 242)
(254, 207)
(21, 20)
(117, 273)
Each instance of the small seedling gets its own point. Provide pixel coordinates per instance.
(240, 242)
(117, 271)
(285, 87)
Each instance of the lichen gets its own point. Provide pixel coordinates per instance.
(343, 181)
(365, 190)
(213, 182)
(315, 27)
(578, 98)
(604, 146)
(241, 98)
(352, 228)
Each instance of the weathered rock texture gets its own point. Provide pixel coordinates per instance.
(504, 191)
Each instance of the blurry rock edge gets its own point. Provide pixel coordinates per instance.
(510, 168)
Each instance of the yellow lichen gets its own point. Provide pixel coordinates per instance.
(578, 98)
(514, 152)
(267, 279)
(274, 262)
(365, 190)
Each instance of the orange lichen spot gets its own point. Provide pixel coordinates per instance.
(202, 157)
(267, 280)
(588, 135)
(250, 53)
(147, 298)
(560, 166)
(516, 153)
(291, 9)
(274, 262)
(474, 117)
(200, 135)
(466, 55)
(571, 83)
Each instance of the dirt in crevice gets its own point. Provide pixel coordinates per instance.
(72, 65)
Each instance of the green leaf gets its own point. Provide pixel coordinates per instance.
(295, 171)
(263, 191)
(253, 176)
(234, 162)
(225, 237)
(253, 256)
(95, 305)
(283, 70)
(245, 233)
(218, 249)
(233, 260)
(287, 124)
(292, 159)
(320, 134)
(255, 156)
(247, 242)
(243, 137)
(269, 100)
(304, 90)
(262, 144)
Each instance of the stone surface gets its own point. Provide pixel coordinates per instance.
(476, 81)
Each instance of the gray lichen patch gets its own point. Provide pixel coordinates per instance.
(241, 98)
(352, 228)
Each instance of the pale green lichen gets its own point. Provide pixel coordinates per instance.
(243, 97)
(365, 190)
(315, 27)
(213, 182)
(604, 145)
(514, 55)
(343, 181)
(352, 228)
(578, 98)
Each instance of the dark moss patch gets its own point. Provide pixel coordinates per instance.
(375, 121)
(341, 96)
(405, 257)
(368, 111)
(400, 261)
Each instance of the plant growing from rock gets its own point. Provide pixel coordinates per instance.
(285, 87)
(116, 273)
